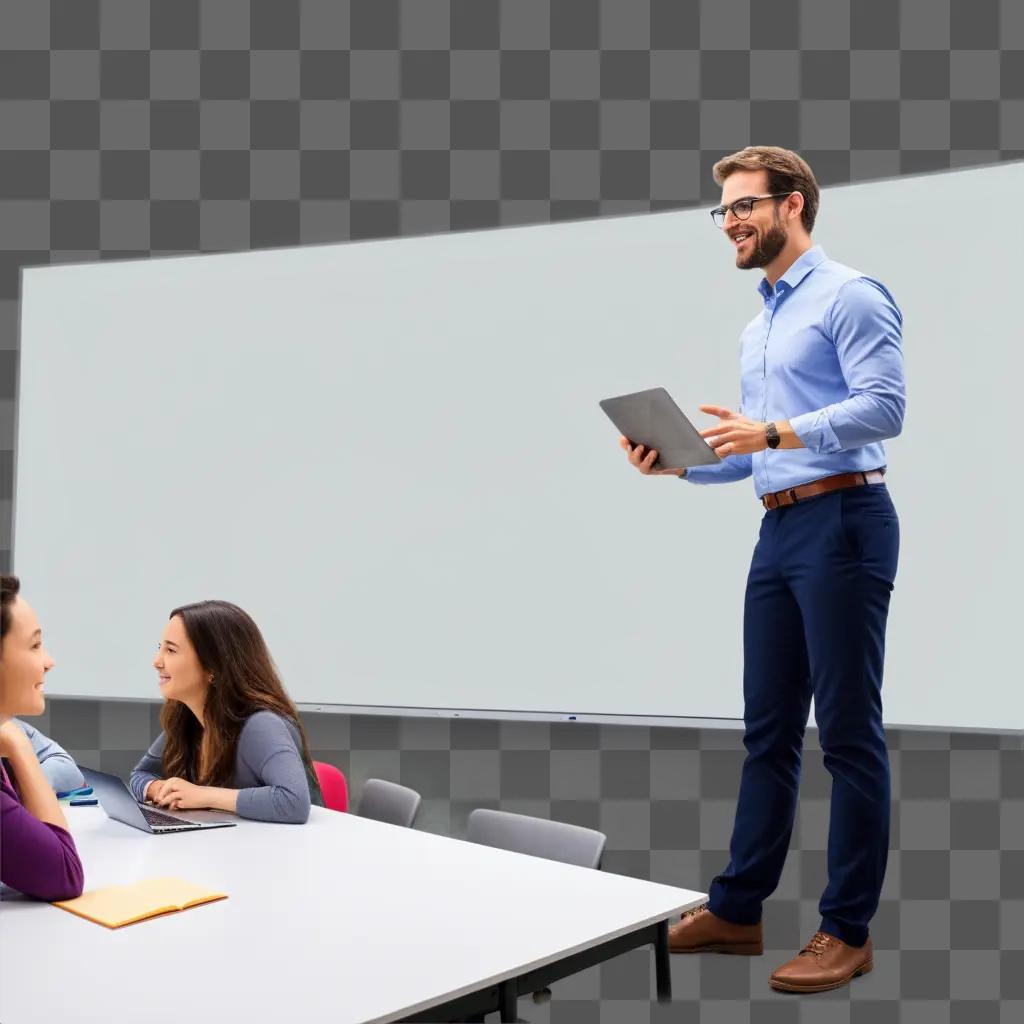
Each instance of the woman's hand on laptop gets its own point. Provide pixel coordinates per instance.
(179, 795)
(151, 794)
(644, 460)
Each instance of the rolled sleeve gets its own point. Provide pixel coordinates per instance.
(815, 432)
(866, 328)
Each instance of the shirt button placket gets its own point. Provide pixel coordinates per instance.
(764, 386)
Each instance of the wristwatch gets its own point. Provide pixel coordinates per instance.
(771, 434)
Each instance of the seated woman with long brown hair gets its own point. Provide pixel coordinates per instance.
(37, 854)
(231, 739)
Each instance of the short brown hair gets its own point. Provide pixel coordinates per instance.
(787, 172)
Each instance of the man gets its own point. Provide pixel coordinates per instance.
(822, 387)
(58, 765)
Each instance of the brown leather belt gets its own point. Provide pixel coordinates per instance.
(839, 482)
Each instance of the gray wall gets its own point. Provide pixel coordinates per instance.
(128, 129)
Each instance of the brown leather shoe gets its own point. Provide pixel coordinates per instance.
(823, 964)
(700, 931)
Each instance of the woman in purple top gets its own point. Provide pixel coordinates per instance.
(37, 854)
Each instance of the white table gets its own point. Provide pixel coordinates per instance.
(342, 919)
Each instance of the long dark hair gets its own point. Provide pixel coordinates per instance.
(9, 587)
(229, 645)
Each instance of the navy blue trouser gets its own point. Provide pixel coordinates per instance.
(814, 620)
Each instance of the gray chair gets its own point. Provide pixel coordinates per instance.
(538, 837)
(389, 802)
(553, 840)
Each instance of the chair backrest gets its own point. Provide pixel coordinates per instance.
(389, 802)
(553, 840)
(332, 785)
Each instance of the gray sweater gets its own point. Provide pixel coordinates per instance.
(58, 765)
(269, 771)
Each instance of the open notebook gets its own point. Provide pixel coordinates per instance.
(119, 905)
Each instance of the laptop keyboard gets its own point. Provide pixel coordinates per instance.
(159, 818)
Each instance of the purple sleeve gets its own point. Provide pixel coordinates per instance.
(36, 858)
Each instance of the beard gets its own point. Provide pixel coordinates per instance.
(767, 245)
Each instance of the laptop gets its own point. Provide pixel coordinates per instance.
(652, 419)
(119, 803)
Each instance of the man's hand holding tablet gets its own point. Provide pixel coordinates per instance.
(652, 428)
(644, 460)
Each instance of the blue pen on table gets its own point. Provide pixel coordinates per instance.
(81, 791)
(84, 801)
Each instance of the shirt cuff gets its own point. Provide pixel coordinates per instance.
(816, 433)
(713, 473)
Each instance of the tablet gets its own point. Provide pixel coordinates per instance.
(652, 419)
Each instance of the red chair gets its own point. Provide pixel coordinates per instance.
(332, 786)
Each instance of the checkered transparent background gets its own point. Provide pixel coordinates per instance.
(130, 128)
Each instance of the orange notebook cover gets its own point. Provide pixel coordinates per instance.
(119, 905)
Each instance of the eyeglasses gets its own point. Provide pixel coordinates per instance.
(742, 208)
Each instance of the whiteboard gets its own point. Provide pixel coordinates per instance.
(391, 454)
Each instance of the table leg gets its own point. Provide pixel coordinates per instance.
(662, 965)
(508, 1001)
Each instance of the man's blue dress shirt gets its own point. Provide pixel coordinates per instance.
(825, 354)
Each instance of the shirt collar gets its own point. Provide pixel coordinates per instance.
(797, 272)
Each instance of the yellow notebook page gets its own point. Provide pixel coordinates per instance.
(119, 905)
